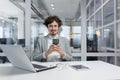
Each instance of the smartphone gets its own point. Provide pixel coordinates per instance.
(79, 67)
(55, 41)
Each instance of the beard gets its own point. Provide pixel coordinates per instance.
(53, 32)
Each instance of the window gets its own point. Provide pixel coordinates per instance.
(108, 12)
(92, 7)
(98, 19)
(118, 9)
(88, 12)
(118, 35)
(108, 35)
(65, 31)
(97, 4)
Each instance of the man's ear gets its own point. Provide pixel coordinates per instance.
(60, 29)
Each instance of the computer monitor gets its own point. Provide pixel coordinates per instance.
(21, 42)
(3, 40)
(9, 41)
(6, 41)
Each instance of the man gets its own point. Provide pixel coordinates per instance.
(46, 49)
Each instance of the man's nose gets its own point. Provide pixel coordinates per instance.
(53, 28)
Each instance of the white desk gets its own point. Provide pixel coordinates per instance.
(2, 54)
(98, 71)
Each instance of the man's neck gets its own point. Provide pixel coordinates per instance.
(54, 36)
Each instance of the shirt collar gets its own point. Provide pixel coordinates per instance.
(55, 37)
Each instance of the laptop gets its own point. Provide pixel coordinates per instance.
(17, 56)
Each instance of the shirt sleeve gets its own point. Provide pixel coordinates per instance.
(64, 56)
(44, 55)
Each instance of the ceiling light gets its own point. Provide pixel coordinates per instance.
(52, 5)
(3, 21)
(1, 17)
(53, 8)
(98, 33)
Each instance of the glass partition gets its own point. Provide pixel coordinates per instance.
(98, 19)
(118, 9)
(92, 7)
(87, 1)
(7, 32)
(98, 4)
(76, 39)
(108, 12)
(11, 22)
(108, 36)
(1, 28)
(118, 35)
(104, 1)
(88, 12)
(99, 40)
(118, 59)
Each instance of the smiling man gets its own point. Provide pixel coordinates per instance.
(49, 51)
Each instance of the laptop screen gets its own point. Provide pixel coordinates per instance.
(17, 56)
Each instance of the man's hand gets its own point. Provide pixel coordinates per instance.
(53, 48)
(60, 51)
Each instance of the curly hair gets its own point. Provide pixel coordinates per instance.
(50, 19)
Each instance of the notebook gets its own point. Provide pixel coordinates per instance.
(17, 56)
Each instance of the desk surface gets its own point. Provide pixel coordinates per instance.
(98, 70)
(2, 54)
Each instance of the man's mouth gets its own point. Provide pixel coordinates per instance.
(53, 31)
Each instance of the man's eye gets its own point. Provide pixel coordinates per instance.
(50, 25)
(55, 25)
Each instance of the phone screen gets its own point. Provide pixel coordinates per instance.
(77, 67)
(55, 41)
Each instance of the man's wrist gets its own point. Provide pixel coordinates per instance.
(46, 54)
(63, 55)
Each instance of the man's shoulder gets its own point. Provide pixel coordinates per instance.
(61, 37)
(43, 38)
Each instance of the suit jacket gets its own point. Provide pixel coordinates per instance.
(42, 46)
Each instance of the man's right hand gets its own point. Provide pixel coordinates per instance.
(51, 49)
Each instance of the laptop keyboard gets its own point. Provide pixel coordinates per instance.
(38, 66)
(42, 68)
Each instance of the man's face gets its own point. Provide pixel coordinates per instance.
(53, 28)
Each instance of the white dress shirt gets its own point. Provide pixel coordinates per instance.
(54, 56)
